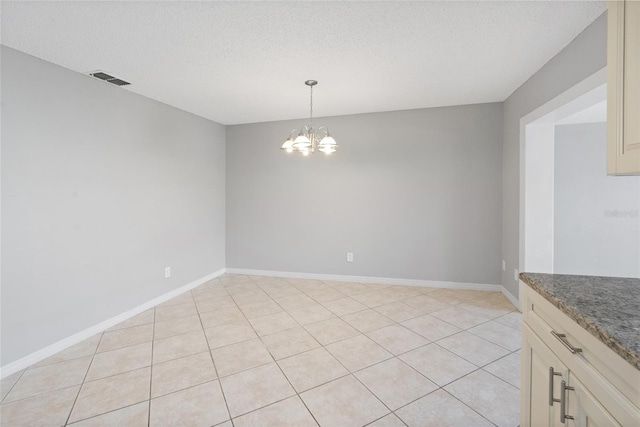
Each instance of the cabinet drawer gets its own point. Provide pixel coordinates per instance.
(605, 373)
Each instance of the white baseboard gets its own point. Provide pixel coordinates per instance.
(367, 279)
(54, 348)
(511, 298)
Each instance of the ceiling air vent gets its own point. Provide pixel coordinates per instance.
(108, 78)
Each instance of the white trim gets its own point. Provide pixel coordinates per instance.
(512, 299)
(368, 279)
(562, 106)
(54, 348)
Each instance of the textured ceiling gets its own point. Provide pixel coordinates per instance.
(242, 62)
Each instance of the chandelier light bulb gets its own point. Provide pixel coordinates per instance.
(302, 141)
(288, 145)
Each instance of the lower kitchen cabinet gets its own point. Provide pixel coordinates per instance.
(569, 377)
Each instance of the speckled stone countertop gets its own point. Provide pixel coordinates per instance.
(607, 307)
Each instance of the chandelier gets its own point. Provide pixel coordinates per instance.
(310, 139)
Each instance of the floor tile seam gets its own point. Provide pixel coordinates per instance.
(75, 400)
(127, 346)
(284, 375)
(488, 340)
(167, 338)
(409, 366)
(381, 314)
(352, 312)
(427, 338)
(151, 368)
(464, 358)
(384, 416)
(296, 392)
(415, 400)
(387, 316)
(178, 358)
(39, 395)
(442, 320)
(368, 366)
(104, 413)
(177, 317)
(273, 403)
(468, 406)
(49, 365)
(215, 369)
(112, 410)
(176, 335)
(454, 397)
(353, 374)
(501, 379)
(164, 304)
(32, 367)
(508, 326)
(14, 384)
(104, 331)
(328, 300)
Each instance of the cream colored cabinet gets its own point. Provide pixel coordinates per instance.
(541, 398)
(623, 80)
(569, 377)
(583, 408)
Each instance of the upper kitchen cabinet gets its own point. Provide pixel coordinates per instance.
(623, 104)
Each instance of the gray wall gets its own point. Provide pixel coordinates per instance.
(101, 189)
(414, 194)
(585, 55)
(597, 228)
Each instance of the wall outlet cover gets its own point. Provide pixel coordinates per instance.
(516, 273)
(349, 256)
(167, 272)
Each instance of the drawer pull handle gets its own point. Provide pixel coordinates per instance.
(563, 402)
(563, 339)
(552, 373)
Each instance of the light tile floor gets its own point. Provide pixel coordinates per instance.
(260, 351)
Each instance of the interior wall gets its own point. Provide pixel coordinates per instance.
(597, 224)
(584, 56)
(413, 194)
(101, 190)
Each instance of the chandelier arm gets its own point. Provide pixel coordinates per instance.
(326, 130)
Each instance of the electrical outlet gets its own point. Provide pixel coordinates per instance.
(504, 265)
(167, 272)
(349, 256)
(516, 274)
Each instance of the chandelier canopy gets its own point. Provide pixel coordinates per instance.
(309, 139)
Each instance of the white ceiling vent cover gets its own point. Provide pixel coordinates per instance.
(108, 78)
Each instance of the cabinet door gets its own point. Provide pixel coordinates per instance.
(623, 80)
(631, 118)
(584, 408)
(539, 382)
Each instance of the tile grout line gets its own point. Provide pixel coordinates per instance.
(394, 356)
(349, 372)
(275, 362)
(431, 342)
(83, 380)
(11, 388)
(153, 340)
(302, 290)
(224, 397)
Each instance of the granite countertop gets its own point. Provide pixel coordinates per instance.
(607, 307)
